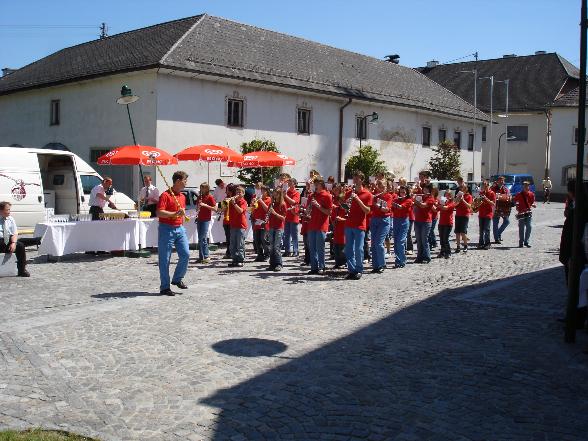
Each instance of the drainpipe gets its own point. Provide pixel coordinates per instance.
(339, 177)
(548, 143)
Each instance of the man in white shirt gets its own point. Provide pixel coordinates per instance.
(149, 196)
(220, 192)
(99, 198)
(546, 189)
(9, 239)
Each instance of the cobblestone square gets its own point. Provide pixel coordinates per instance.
(461, 349)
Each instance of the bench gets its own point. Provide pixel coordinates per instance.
(8, 265)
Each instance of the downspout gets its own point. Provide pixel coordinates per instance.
(340, 162)
(547, 142)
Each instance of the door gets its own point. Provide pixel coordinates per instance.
(24, 191)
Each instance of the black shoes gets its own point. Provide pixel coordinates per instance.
(527, 245)
(377, 270)
(180, 284)
(236, 264)
(312, 272)
(24, 273)
(353, 276)
(167, 292)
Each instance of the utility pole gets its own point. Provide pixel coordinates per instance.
(103, 31)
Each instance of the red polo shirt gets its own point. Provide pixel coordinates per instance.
(168, 203)
(486, 210)
(357, 218)
(462, 209)
(319, 221)
(275, 223)
(238, 220)
(405, 207)
(204, 214)
(524, 200)
(259, 214)
(292, 213)
(376, 211)
(424, 214)
(338, 225)
(446, 216)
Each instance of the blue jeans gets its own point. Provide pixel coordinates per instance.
(379, 228)
(238, 245)
(421, 231)
(354, 250)
(169, 237)
(524, 230)
(400, 231)
(484, 223)
(291, 237)
(275, 240)
(316, 245)
(496, 230)
(432, 236)
(202, 227)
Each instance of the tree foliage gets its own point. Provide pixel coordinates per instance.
(367, 160)
(446, 161)
(250, 176)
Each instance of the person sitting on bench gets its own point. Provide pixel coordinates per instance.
(9, 239)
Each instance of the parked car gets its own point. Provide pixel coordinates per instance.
(514, 181)
(444, 185)
(474, 187)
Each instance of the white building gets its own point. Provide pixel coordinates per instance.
(207, 80)
(534, 83)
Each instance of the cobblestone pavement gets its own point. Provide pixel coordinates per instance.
(461, 349)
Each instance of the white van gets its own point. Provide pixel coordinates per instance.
(36, 179)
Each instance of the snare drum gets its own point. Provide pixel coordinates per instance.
(503, 205)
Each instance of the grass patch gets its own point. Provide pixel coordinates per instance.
(41, 435)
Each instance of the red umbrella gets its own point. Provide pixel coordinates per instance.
(208, 153)
(263, 159)
(137, 155)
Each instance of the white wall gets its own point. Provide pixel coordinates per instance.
(90, 116)
(563, 148)
(191, 111)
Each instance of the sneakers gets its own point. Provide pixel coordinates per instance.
(458, 250)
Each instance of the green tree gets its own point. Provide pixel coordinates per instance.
(366, 160)
(446, 162)
(250, 176)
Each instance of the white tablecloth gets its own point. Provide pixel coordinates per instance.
(59, 239)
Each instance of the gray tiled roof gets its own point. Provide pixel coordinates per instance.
(570, 99)
(225, 48)
(535, 80)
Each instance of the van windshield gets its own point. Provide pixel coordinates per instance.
(521, 179)
(89, 182)
(508, 179)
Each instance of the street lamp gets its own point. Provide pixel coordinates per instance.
(126, 98)
(508, 138)
(374, 117)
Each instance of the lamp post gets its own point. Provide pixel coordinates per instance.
(374, 116)
(126, 98)
(491, 78)
(508, 138)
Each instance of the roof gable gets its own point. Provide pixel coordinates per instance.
(535, 80)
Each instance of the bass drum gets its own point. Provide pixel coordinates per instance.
(503, 205)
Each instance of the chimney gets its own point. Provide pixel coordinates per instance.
(509, 56)
(432, 63)
(393, 58)
(540, 52)
(7, 71)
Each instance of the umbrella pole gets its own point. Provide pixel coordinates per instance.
(208, 173)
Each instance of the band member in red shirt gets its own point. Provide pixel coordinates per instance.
(305, 219)
(260, 206)
(224, 215)
(277, 220)
(338, 218)
(171, 211)
(359, 201)
(463, 209)
(292, 198)
(485, 214)
(380, 224)
(446, 211)
(434, 219)
(238, 224)
(206, 205)
(401, 208)
(525, 200)
(502, 210)
(321, 203)
(423, 215)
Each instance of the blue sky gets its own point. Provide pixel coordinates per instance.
(417, 30)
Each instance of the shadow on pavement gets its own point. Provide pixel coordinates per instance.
(124, 295)
(467, 364)
(249, 347)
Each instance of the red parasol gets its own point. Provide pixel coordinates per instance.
(208, 153)
(137, 155)
(263, 159)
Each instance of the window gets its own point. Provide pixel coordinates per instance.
(442, 135)
(457, 139)
(360, 127)
(576, 133)
(303, 121)
(426, 136)
(470, 142)
(89, 182)
(483, 133)
(96, 153)
(58, 179)
(470, 177)
(55, 114)
(521, 133)
(569, 172)
(235, 113)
